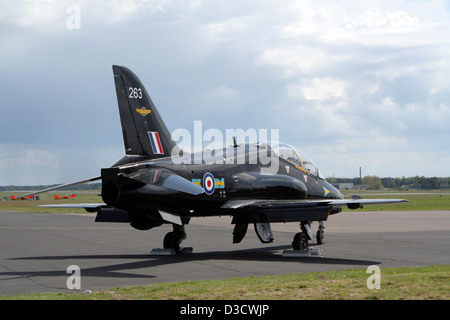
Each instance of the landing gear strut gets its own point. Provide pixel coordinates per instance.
(320, 233)
(173, 239)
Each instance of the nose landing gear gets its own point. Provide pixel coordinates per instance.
(300, 242)
(320, 233)
(301, 239)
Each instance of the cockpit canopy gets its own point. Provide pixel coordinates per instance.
(296, 156)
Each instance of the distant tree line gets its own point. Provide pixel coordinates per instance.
(403, 183)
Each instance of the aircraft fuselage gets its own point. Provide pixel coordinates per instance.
(237, 177)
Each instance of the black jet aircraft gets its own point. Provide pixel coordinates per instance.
(259, 184)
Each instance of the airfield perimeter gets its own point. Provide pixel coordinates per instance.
(37, 249)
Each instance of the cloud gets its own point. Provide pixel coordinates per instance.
(46, 13)
(19, 162)
(324, 88)
(375, 21)
(15, 158)
(38, 164)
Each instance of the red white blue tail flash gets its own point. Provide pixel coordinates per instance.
(156, 142)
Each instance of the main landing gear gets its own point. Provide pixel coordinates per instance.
(301, 239)
(173, 239)
(172, 242)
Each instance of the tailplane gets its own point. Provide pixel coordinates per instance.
(144, 132)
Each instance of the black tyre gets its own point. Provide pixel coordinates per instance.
(320, 236)
(172, 241)
(300, 241)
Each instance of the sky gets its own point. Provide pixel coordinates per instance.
(351, 83)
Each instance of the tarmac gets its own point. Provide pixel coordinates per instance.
(37, 249)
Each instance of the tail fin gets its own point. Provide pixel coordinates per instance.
(144, 132)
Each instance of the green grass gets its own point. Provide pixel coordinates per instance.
(425, 283)
(48, 198)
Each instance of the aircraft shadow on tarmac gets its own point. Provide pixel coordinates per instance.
(117, 270)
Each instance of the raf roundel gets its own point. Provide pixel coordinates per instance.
(209, 184)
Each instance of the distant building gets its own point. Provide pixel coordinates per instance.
(344, 185)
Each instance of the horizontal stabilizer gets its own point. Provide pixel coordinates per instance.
(90, 207)
(74, 205)
(62, 186)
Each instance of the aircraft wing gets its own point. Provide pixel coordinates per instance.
(359, 203)
(260, 211)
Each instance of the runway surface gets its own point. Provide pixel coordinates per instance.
(37, 248)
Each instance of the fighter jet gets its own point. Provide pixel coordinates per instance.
(253, 183)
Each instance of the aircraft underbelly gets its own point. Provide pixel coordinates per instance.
(267, 215)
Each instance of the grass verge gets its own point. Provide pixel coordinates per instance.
(411, 283)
